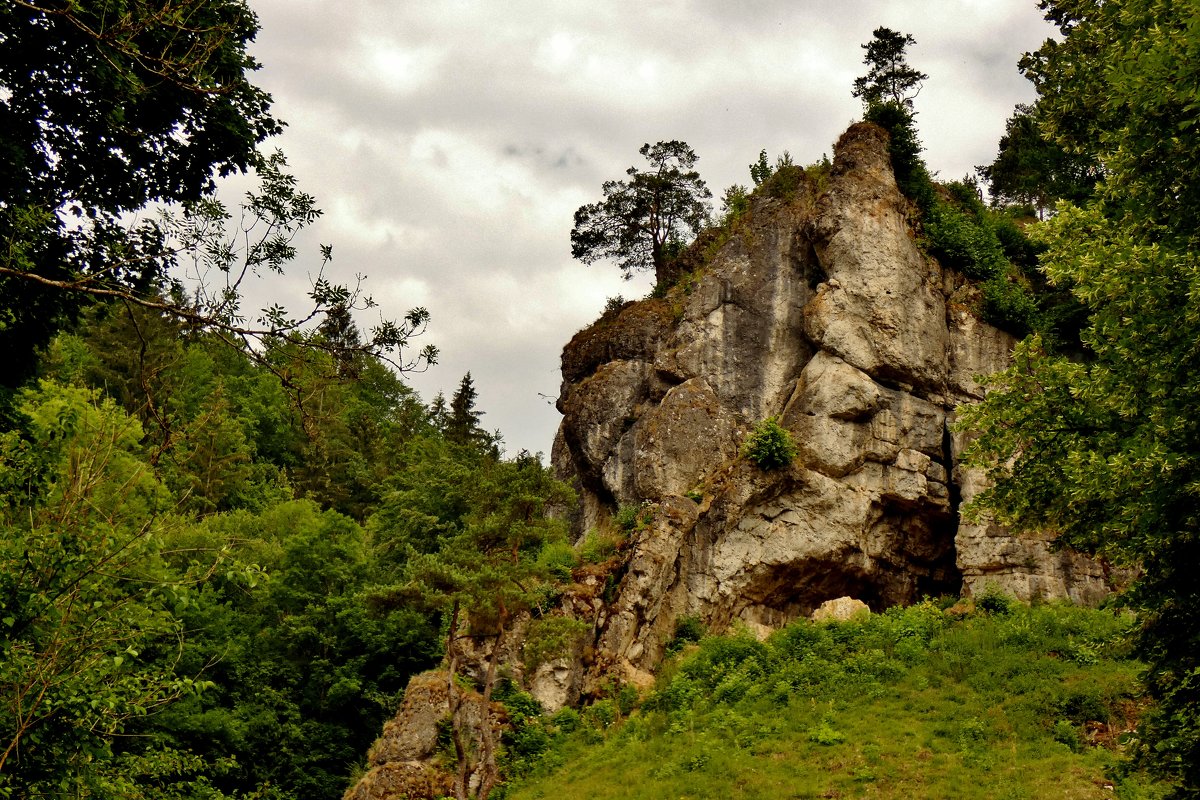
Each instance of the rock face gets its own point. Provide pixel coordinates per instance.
(399, 761)
(821, 311)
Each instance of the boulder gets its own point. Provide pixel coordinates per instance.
(840, 609)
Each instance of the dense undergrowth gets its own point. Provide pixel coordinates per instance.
(998, 700)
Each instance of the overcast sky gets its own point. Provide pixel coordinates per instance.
(449, 142)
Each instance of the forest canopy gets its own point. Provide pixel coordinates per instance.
(199, 509)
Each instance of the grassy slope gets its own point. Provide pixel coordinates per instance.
(1017, 703)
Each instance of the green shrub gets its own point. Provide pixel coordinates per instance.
(601, 714)
(819, 173)
(734, 204)
(550, 638)
(719, 655)
(994, 601)
(785, 182)
(797, 640)
(966, 196)
(825, 734)
(958, 239)
(558, 559)
(566, 720)
(688, 628)
(524, 744)
(761, 169)
(1018, 247)
(634, 517)
(596, 547)
(518, 704)
(904, 147)
(613, 304)
(1066, 733)
(1009, 304)
(770, 446)
(681, 692)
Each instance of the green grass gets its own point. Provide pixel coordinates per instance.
(1028, 703)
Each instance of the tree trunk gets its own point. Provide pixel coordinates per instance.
(491, 773)
(454, 699)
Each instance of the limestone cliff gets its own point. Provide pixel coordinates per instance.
(818, 309)
(823, 311)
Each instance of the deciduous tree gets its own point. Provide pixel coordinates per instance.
(86, 602)
(1104, 450)
(1031, 170)
(109, 108)
(103, 109)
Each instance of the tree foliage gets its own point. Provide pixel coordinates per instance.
(644, 221)
(1104, 450)
(461, 425)
(107, 109)
(194, 584)
(1031, 170)
(487, 571)
(104, 109)
(198, 502)
(890, 79)
(86, 597)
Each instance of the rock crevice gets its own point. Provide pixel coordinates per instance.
(823, 312)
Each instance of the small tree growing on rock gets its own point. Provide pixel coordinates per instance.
(890, 78)
(770, 446)
(644, 221)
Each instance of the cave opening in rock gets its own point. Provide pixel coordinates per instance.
(780, 593)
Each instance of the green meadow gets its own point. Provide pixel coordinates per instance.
(992, 700)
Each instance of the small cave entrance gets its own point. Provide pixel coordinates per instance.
(780, 593)
(918, 562)
(919, 555)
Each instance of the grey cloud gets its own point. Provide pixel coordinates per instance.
(452, 178)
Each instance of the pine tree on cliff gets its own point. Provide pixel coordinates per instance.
(887, 92)
(462, 423)
(645, 221)
(890, 79)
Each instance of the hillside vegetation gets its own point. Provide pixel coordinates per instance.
(998, 700)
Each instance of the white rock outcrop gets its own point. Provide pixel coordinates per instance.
(821, 311)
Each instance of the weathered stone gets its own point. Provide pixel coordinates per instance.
(825, 313)
(412, 734)
(601, 409)
(882, 309)
(976, 349)
(399, 763)
(840, 609)
(666, 460)
(556, 683)
(401, 780)
(631, 333)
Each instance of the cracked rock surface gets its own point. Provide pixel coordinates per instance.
(821, 311)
